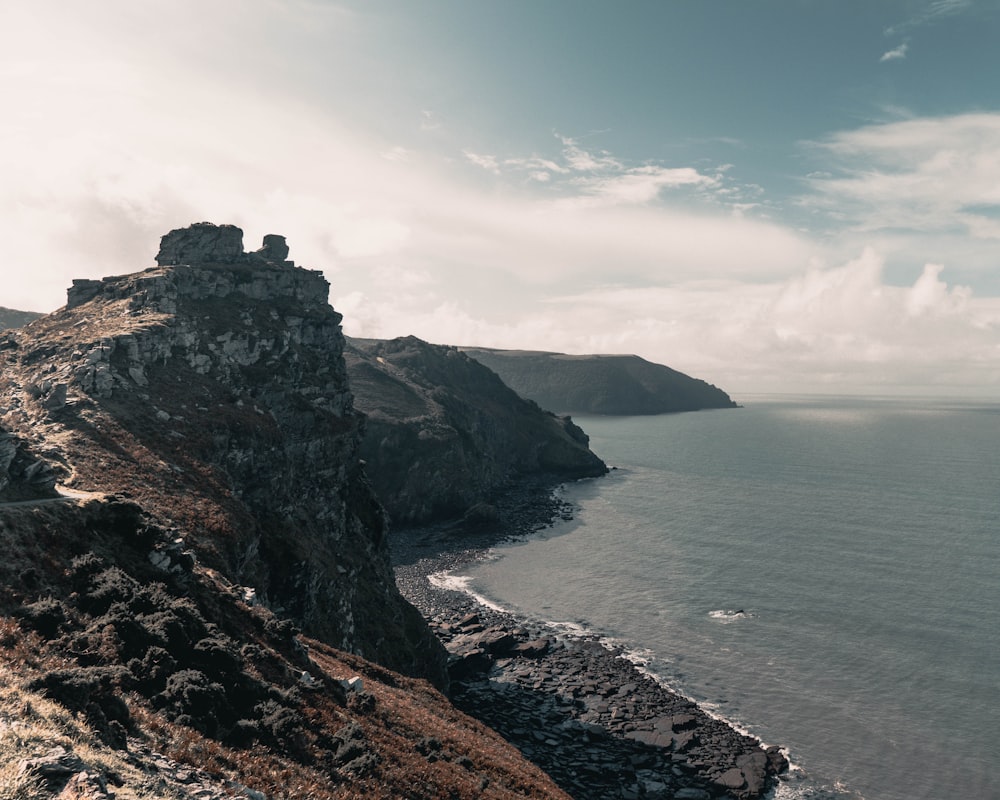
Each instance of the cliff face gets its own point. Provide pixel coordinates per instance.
(445, 434)
(215, 394)
(200, 414)
(23, 476)
(600, 384)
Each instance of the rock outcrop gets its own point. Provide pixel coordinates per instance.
(214, 393)
(445, 435)
(600, 384)
(23, 476)
(205, 243)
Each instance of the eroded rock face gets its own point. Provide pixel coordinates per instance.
(23, 475)
(274, 249)
(208, 247)
(201, 243)
(445, 435)
(217, 394)
(205, 243)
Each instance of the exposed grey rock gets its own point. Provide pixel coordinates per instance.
(85, 786)
(201, 243)
(255, 343)
(23, 476)
(691, 793)
(445, 435)
(274, 249)
(533, 649)
(82, 290)
(56, 397)
(732, 778)
(56, 766)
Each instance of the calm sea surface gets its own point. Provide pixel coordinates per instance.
(824, 573)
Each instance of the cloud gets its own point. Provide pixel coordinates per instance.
(896, 54)
(919, 175)
(489, 163)
(931, 296)
(429, 121)
(931, 12)
(593, 180)
(574, 248)
(637, 186)
(834, 329)
(93, 198)
(582, 160)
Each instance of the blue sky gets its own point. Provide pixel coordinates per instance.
(775, 196)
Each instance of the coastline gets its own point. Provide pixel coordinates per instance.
(575, 706)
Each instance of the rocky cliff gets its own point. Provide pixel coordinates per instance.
(211, 506)
(600, 384)
(214, 393)
(445, 435)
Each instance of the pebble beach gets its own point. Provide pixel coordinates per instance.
(578, 707)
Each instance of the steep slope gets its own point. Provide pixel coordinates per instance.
(214, 393)
(599, 384)
(445, 434)
(201, 415)
(128, 670)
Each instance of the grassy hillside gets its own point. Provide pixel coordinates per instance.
(600, 384)
(10, 318)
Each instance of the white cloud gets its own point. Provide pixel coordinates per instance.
(489, 163)
(930, 12)
(584, 161)
(589, 180)
(929, 174)
(110, 139)
(896, 54)
(931, 296)
(429, 121)
(638, 186)
(823, 329)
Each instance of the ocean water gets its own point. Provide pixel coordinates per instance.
(822, 572)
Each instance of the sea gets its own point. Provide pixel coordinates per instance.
(821, 572)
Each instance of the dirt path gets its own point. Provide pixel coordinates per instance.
(65, 495)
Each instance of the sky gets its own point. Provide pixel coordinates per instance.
(795, 196)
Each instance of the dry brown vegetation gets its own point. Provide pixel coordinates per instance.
(399, 738)
(124, 635)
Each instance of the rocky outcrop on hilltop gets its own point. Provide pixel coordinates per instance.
(23, 476)
(600, 384)
(445, 435)
(214, 394)
(219, 535)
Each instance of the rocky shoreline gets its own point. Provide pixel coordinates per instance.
(578, 709)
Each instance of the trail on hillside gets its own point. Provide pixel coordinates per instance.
(65, 494)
